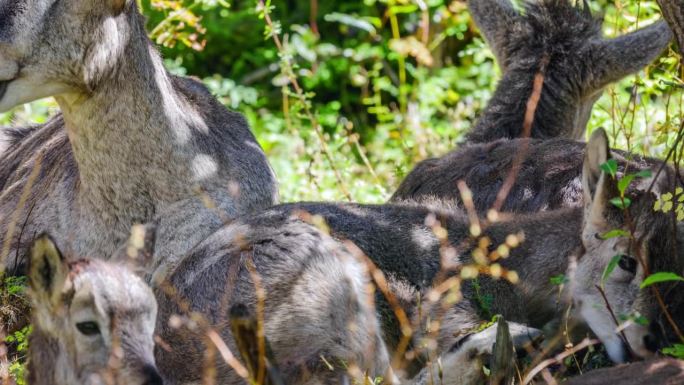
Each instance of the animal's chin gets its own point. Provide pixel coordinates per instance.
(616, 351)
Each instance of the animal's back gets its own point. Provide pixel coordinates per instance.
(548, 178)
(230, 143)
(313, 291)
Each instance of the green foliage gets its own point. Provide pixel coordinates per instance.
(622, 202)
(610, 267)
(660, 277)
(15, 285)
(669, 201)
(625, 181)
(13, 303)
(614, 234)
(677, 351)
(376, 95)
(609, 167)
(558, 280)
(20, 341)
(484, 301)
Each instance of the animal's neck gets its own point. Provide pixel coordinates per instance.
(505, 114)
(48, 363)
(130, 137)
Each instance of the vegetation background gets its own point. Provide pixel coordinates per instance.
(345, 96)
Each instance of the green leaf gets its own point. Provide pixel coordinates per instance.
(397, 9)
(624, 183)
(610, 267)
(677, 350)
(660, 277)
(610, 167)
(640, 320)
(621, 203)
(615, 233)
(558, 279)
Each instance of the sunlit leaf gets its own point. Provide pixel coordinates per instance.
(624, 183)
(676, 350)
(621, 203)
(614, 234)
(660, 277)
(609, 167)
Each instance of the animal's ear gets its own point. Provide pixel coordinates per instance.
(139, 250)
(495, 19)
(48, 271)
(598, 186)
(610, 60)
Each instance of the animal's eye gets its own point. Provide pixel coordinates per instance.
(88, 328)
(628, 263)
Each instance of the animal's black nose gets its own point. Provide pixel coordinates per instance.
(651, 343)
(151, 376)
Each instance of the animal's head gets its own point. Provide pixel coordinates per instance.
(617, 264)
(99, 318)
(564, 42)
(52, 47)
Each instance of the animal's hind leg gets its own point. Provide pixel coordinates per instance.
(326, 331)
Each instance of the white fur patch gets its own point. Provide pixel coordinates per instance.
(423, 238)
(203, 167)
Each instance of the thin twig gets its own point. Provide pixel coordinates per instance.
(521, 154)
(299, 92)
(558, 359)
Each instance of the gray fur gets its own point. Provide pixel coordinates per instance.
(67, 294)
(397, 239)
(653, 242)
(133, 144)
(581, 62)
(549, 177)
(317, 304)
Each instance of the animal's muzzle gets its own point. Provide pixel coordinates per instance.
(152, 376)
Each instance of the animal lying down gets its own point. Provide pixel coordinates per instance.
(412, 245)
(94, 325)
(315, 287)
(549, 177)
(563, 42)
